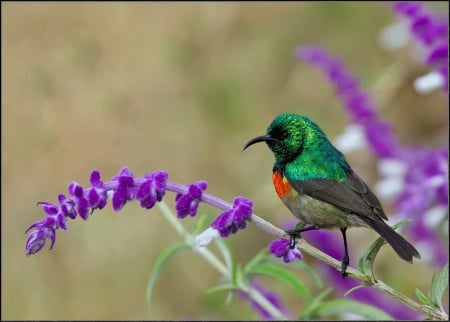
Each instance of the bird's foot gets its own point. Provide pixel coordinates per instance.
(296, 233)
(344, 264)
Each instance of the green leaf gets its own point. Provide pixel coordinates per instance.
(160, 261)
(339, 306)
(221, 288)
(259, 258)
(226, 253)
(365, 263)
(284, 275)
(357, 287)
(308, 313)
(422, 297)
(439, 283)
(300, 264)
(201, 223)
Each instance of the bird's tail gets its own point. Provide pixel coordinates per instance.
(401, 246)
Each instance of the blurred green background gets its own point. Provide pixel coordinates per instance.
(180, 87)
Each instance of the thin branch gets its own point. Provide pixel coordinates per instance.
(304, 246)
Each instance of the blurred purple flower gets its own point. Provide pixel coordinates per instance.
(187, 204)
(272, 297)
(358, 103)
(281, 248)
(331, 244)
(230, 221)
(425, 179)
(430, 30)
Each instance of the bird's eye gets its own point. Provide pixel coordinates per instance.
(284, 135)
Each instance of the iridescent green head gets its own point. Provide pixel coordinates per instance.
(289, 135)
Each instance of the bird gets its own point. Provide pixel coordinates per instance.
(319, 187)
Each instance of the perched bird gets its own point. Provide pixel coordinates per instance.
(319, 187)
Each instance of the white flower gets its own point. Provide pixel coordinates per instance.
(429, 82)
(352, 139)
(207, 236)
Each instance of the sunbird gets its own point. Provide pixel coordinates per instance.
(319, 187)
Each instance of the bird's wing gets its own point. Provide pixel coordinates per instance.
(352, 194)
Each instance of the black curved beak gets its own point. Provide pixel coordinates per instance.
(261, 138)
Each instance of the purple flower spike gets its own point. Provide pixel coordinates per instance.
(152, 189)
(430, 30)
(124, 187)
(357, 102)
(230, 221)
(281, 248)
(187, 204)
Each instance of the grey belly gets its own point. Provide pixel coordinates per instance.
(321, 214)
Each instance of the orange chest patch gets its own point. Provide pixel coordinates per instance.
(282, 186)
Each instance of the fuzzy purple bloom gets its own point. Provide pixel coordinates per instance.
(152, 189)
(426, 26)
(281, 248)
(272, 297)
(37, 239)
(148, 190)
(125, 190)
(431, 31)
(187, 204)
(358, 103)
(230, 221)
(425, 181)
(97, 193)
(82, 203)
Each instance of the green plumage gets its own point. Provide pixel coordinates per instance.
(306, 153)
(325, 191)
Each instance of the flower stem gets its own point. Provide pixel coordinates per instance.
(316, 253)
(255, 295)
(367, 280)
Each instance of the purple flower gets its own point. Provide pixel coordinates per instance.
(97, 196)
(382, 139)
(148, 190)
(152, 189)
(358, 103)
(424, 183)
(187, 203)
(281, 248)
(408, 9)
(36, 240)
(125, 190)
(82, 203)
(230, 221)
(431, 31)
(271, 297)
(438, 56)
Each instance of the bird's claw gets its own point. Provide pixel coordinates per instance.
(296, 233)
(344, 265)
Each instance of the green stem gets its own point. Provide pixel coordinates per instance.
(215, 262)
(353, 273)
